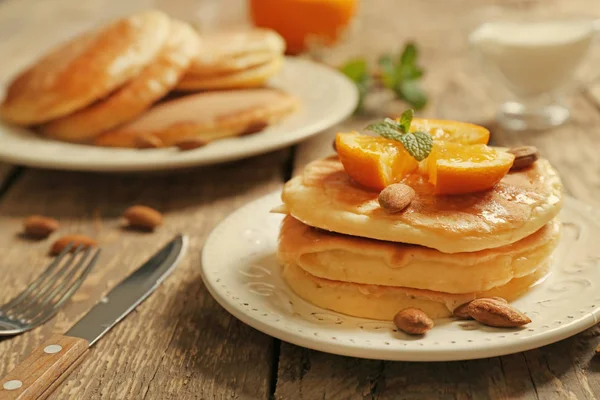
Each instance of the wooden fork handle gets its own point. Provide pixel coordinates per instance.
(45, 368)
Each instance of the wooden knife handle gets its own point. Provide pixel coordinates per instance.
(40, 373)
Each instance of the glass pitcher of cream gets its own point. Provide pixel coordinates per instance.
(536, 58)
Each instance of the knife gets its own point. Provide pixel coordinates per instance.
(48, 365)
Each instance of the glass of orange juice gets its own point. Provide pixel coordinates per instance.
(304, 23)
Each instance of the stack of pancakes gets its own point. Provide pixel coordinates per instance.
(340, 251)
(100, 87)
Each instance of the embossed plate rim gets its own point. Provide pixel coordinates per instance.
(351, 339)
(327, 97)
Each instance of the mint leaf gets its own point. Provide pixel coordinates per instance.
(388, 71)
(357, 71)
(418, 144)
(411, 92)
(409, 55)
(387, 129)
(406, 119)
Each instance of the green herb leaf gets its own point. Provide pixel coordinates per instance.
(357, 71)
(406, 119)
(409, 55)
(388, 129)
(388, 71)
(418, 144)
(411, 92)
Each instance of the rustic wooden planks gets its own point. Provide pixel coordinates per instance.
(180, 342)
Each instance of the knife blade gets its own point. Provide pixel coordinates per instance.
(47, 366)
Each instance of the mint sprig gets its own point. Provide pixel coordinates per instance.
(358, 72)
(417, 144)
(401, 74)
(398, 73)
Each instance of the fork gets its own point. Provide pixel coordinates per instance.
(42, 299)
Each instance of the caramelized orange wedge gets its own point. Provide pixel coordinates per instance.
(456, 169)
(451, 131)
(372, 161)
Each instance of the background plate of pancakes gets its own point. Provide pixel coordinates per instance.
(121, 97)
(242, 271)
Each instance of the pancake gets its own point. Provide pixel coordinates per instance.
(247, 78)
(209, 116)
(129, 101)
(523, 202)
(85, 69)
(352, 259)
(227, 52)
(383, 302)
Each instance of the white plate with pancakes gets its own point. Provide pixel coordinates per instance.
(326, 97)
(241, 270)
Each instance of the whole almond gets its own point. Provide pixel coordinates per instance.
(413, 321)
(148, 142)
(525, 156)
(462, 311)
(143, 217)
(191, 143)
(76, 241)
(38, 226)
(396, 197)
(496, 313)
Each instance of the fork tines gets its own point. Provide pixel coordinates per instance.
(44, 297)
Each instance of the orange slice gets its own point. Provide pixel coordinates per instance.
(451, 131)
(454, 168)
(372, 161)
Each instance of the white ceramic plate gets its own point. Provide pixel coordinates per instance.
(327, 98)
(240, 270)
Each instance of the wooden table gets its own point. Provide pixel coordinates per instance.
(180, 343)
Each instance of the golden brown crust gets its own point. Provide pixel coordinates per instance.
(248, 78)
(521, 203)
(353, 259)
(228, 52)
(85, 69)
(156, 80)
(209, 116)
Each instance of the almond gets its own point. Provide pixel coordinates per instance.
(148, 142)
(39, 226)
(143, 217)
(413, 321)
(462, 311)
(191, 143)
(75, 240)
(396, 198)
(496, 313)
(525, 156)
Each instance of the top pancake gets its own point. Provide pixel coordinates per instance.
(325, 197)
(227, 52)
(85, 69)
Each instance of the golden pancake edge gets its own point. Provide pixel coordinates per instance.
(323, 196)
(85, 69)
(131, 100)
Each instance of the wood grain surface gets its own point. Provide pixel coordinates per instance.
(180, 343)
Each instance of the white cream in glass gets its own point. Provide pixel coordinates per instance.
(536, 59)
